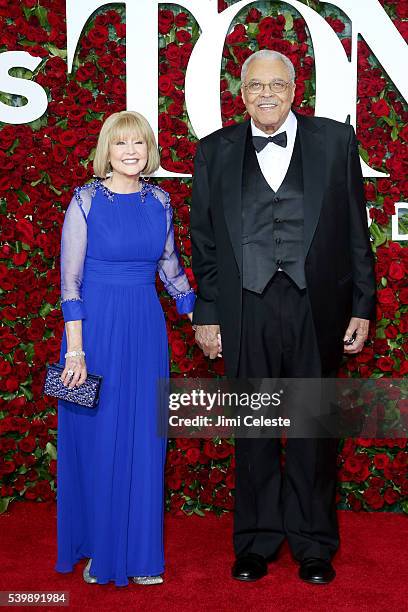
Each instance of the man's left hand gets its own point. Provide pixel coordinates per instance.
(360, 328)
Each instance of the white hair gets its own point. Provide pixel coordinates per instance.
(268, 54)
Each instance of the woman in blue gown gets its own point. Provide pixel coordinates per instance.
(117, 234)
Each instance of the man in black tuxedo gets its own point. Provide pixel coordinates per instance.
(282, 258)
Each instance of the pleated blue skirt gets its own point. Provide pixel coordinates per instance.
(110, 474)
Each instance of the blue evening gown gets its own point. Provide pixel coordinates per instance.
(110, 475)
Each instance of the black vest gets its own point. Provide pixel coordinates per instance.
(272, 223)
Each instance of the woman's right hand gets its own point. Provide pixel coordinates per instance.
(78, 366)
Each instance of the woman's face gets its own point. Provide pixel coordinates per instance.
(128, 155)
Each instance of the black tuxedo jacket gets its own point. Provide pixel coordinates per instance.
(339, 264)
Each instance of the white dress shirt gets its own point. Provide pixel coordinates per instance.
(274, 160)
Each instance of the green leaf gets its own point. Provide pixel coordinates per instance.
(58, 193)
(198, 511)
(289, 21)
(14, 146)
(42, 14)
(394, 133)
(252, 30)
(55, 51)
(27, 12)
(383, 281)
(379, 236)
(388, 121)
(22, 196)
(29, 351)
(4, 502)
(45, 309)
(28, 394)
(38, 123)
(363, 154)
(51, 450)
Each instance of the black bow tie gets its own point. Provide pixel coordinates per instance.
(260, 142)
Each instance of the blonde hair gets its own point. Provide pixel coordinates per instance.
(122, 124)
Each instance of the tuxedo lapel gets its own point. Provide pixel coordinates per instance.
(312, 142)
(232, 159)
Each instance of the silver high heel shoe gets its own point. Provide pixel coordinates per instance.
(87, 577)
(146, 580)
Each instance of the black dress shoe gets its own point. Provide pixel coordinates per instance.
(316, 571)
(249, 567)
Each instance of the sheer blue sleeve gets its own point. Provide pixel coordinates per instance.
(73, 251)
(170, 268)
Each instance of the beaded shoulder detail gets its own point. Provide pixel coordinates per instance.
(156, 191)
(78, 190)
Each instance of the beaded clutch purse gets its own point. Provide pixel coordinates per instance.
(86, 394)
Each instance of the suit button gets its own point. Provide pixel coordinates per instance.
(277, 220)
(278, 240)
(276, 199)
(279, 262)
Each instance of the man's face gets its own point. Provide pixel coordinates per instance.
(267, 108)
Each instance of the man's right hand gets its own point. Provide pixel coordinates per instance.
(208, 339)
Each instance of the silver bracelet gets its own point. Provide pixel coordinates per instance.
(74, 354)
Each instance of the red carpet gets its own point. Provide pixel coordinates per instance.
(372, 568)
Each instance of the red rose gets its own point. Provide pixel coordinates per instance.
(253, 16)
(354, 502)
(379, 216)
(336, 24)
(173, 55)
(173, 482)
(389, 206)
(385, 364)
(120, 30)
(381, 460)
(28, 444)
(98, 35)
(19, 259)
(390, 496)
(183, 36)
(384, 185)
(68, 138)
(391, 331)
(380, 108)
(401, 459)
(373, 498)
(178, 348)
(166, 21)
(238, 35)
(181, 20)
(193, 454)
(166, 86)
(206, 497)
(227, 104)
(25, 231)
(5, 367)
(386, 296)
(356, 467)
(216, 476)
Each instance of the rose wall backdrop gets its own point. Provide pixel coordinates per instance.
(43, 161)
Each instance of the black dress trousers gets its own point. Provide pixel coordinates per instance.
(278, 340)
